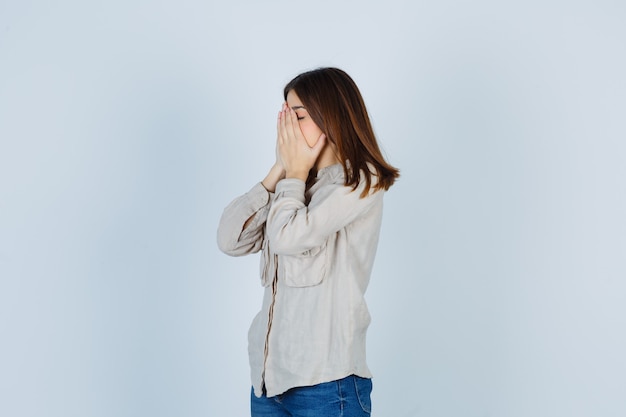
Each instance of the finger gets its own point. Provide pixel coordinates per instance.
(295, 126)
(282, 130)
(319, 145)
(289, 123)
(278, 138)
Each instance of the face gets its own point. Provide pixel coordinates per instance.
(308, 127)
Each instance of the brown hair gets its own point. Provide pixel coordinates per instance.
(334, 102)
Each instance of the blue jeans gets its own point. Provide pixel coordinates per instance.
(347, 397)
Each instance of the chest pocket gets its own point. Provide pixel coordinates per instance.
(305, 269)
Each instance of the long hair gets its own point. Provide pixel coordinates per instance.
(334, 102)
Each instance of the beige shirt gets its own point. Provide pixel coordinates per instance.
(318, 247)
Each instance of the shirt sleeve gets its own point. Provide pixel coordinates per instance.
(293, 227)
(232, 238)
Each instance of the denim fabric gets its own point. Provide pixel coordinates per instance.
(347, 397)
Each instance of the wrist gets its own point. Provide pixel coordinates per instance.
(277, 172)
(278, 169)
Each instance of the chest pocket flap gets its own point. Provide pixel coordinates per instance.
(305, 269)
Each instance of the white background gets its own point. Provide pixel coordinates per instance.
(126, 126)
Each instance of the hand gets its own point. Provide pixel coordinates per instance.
(276, 173)
(296, 156)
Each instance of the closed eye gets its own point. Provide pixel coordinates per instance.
(299, 108)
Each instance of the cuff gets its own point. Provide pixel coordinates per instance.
(291, 188)
(258, 196)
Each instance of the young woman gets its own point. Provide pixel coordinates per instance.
(316, 219)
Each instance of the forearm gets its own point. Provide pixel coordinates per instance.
(240, 229)
(294, 226)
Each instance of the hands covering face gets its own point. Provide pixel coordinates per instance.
(292, 149)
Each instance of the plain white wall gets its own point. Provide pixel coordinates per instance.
(126, 126)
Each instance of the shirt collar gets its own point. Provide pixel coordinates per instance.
(330, 171)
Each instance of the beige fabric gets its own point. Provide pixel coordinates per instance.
(318, 248)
